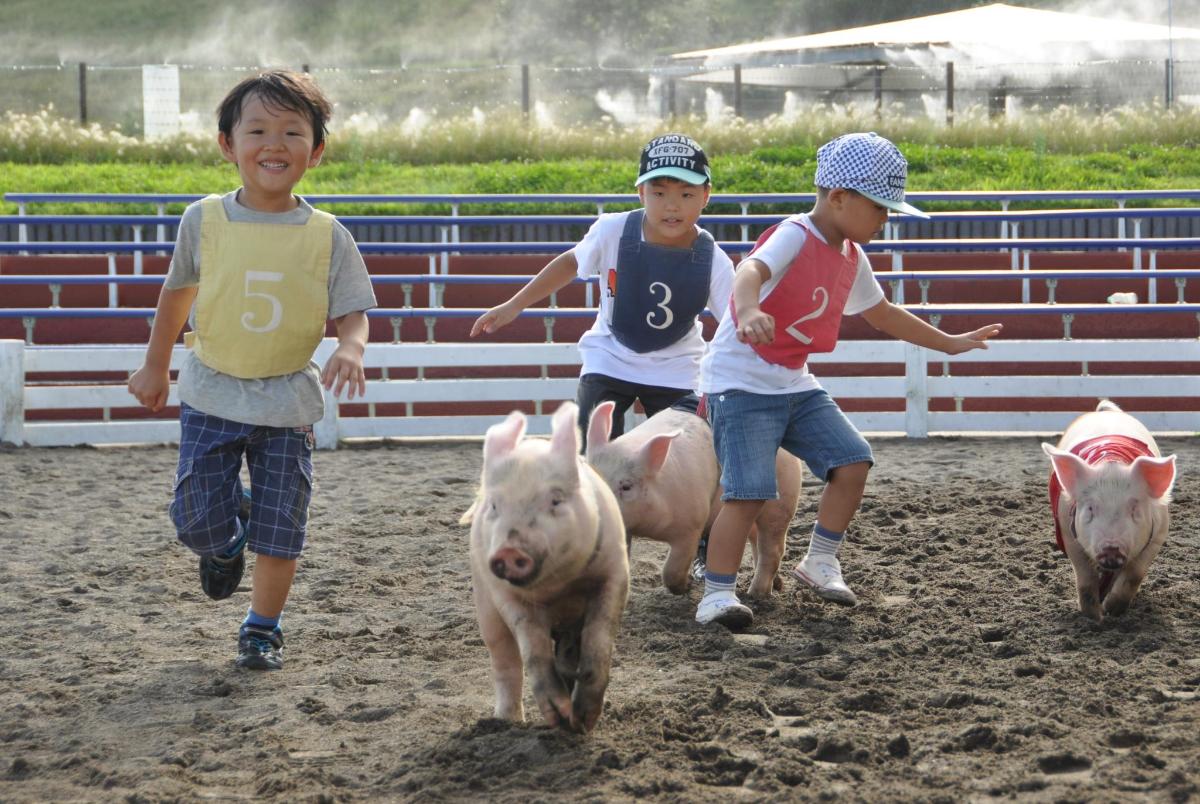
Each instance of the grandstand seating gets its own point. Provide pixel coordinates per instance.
(75, 301)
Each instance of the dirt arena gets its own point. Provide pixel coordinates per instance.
(966, 672)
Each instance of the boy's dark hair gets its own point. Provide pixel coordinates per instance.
(282, 89)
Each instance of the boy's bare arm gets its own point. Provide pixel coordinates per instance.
(557, 274)
(753, 325)
(151, 383)
(900, 323)
(345, 366)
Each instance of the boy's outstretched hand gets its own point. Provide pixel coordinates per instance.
(973, 340)
(499, 316)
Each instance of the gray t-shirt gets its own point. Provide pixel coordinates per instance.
(290, 400)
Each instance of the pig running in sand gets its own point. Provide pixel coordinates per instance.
(1109, 492)
(549, 571)
(665, 476)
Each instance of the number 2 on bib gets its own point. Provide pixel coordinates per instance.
(792, 328)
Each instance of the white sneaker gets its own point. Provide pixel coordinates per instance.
(726, 609)
(823, 574)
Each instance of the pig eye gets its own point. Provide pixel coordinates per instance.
(1088, 512)
(625, 486)
(556, 498)
(490, 510)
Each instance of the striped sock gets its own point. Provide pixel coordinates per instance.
(825, 542)
(714, 583)
(256, 620)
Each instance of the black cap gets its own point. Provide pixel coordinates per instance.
(674, 156)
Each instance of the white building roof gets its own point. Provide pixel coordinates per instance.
(996, 26)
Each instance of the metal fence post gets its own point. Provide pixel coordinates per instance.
(525, 89)
(737, 90)
(83, 93)
(878, 92)
(12, 392)
(950, 94)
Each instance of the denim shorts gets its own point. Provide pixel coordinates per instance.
(749, 428)
(208, 485)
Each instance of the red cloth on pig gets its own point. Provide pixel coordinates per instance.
(1093, 451)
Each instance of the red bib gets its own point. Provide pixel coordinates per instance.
(1092, 451)
(808, 302)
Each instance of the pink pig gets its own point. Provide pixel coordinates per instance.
(1109, 490)
(665, 476)
(549, 570)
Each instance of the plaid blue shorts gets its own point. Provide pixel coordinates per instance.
(749, 428)
(208, 485)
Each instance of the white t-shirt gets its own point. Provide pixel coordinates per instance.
(676, 366)
(731, 364)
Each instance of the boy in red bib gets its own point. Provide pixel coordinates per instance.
(789, 297)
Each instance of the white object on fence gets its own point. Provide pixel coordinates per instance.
(12, 391)
(160, 101)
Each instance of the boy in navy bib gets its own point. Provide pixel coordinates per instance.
(789, 297)
(658, 270)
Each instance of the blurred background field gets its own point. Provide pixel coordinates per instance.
(535, 96)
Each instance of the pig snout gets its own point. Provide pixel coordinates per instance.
(513, 565)
(1110, 558)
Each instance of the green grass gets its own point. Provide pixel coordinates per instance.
(770, 171)
(1057, 150)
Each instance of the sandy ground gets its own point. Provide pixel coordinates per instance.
(965, 674)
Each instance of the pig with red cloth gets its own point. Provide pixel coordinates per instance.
(1109, 490)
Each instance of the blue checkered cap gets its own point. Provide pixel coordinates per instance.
(868, 164)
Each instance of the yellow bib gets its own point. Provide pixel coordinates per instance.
(264, 293)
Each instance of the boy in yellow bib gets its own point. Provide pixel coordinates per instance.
(257, 273)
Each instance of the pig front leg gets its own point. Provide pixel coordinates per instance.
(772, 525)
(507, 672)
(1087, 581)
(1130, 578)
(595, 657)
(532, 631)
(676, 570)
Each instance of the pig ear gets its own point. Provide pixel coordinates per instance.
(1072, 471)
(1159, 474)
(564, 439)
(654, 452)
(502, 438)
(600, 425)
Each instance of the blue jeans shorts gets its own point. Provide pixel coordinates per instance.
(208, 485)
(749, 428)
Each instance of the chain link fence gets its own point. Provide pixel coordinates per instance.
(111, 95)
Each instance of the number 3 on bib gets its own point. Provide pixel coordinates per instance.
(668, 315)
(792, 328)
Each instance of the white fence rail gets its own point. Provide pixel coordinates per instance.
(916, 387)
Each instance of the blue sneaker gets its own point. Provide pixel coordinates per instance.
(260, 648)
(220, 575)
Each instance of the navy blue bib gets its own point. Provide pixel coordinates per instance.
(660, 289)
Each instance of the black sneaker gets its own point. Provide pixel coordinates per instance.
(220, 576)
(259, 648)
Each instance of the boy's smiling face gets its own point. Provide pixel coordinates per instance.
(672, 209)
(272, 148)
